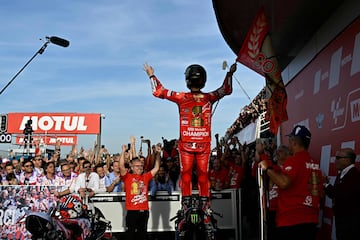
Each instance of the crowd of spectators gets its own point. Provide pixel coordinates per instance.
(81, 172)
(249, 113)
(231, 166)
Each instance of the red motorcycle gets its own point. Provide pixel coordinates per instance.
(71, 219)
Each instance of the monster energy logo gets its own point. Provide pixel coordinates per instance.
(194, 217)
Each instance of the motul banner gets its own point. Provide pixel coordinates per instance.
(51, 140)
(55, 123)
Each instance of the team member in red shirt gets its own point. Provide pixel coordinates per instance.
(219, 176)
(195, 112)
(136, 190)
(300, 185)
(282, 153)
(236, 171)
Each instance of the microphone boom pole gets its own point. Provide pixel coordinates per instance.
(55, 40)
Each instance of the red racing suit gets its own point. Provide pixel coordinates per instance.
(195, 112)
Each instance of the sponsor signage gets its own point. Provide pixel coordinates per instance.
(55, 123)
(325, 97)
(51, 140)
(330, 84)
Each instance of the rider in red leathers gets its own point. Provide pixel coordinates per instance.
(195, 110)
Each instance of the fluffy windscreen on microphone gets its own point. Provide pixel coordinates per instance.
(59, 41)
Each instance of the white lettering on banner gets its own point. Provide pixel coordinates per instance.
(57, 123)
(355, 110)
(62, 139)
(67, 140)
(336, 109)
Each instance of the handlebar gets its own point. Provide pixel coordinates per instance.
(189, 209)
(173, 218)
(217, 214)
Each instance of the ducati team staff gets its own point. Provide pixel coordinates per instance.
(300, 189)
(136, 184)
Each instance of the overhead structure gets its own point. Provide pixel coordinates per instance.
(291, 23)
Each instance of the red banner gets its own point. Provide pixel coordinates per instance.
(55, 123)
(250, 53)
(257, 53)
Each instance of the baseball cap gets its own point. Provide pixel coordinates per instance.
(5, 160)
(300, 131)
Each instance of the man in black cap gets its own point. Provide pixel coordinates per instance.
(300, 185)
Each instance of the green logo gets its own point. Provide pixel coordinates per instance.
(194, 218)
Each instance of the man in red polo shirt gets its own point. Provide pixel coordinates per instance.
(136, 190)
(300, 186)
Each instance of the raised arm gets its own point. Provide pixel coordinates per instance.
(132, 149)
(226, 87)
(156, 86)
(157, 159)
(158, 89)
(123, 169)
(149, 70)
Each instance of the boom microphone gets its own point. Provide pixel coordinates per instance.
(59, 41)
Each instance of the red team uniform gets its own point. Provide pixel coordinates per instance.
(195, 110)
(236, 174)
(218, 178)
(300, 203)
(195, 113)
(136, 188)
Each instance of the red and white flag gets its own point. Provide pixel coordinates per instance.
(257, 53)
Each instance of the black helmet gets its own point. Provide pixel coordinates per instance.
(195, 76)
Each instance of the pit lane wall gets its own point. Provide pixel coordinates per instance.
(16, 200)
(165, 206)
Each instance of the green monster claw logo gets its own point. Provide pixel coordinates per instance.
(194, 218)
